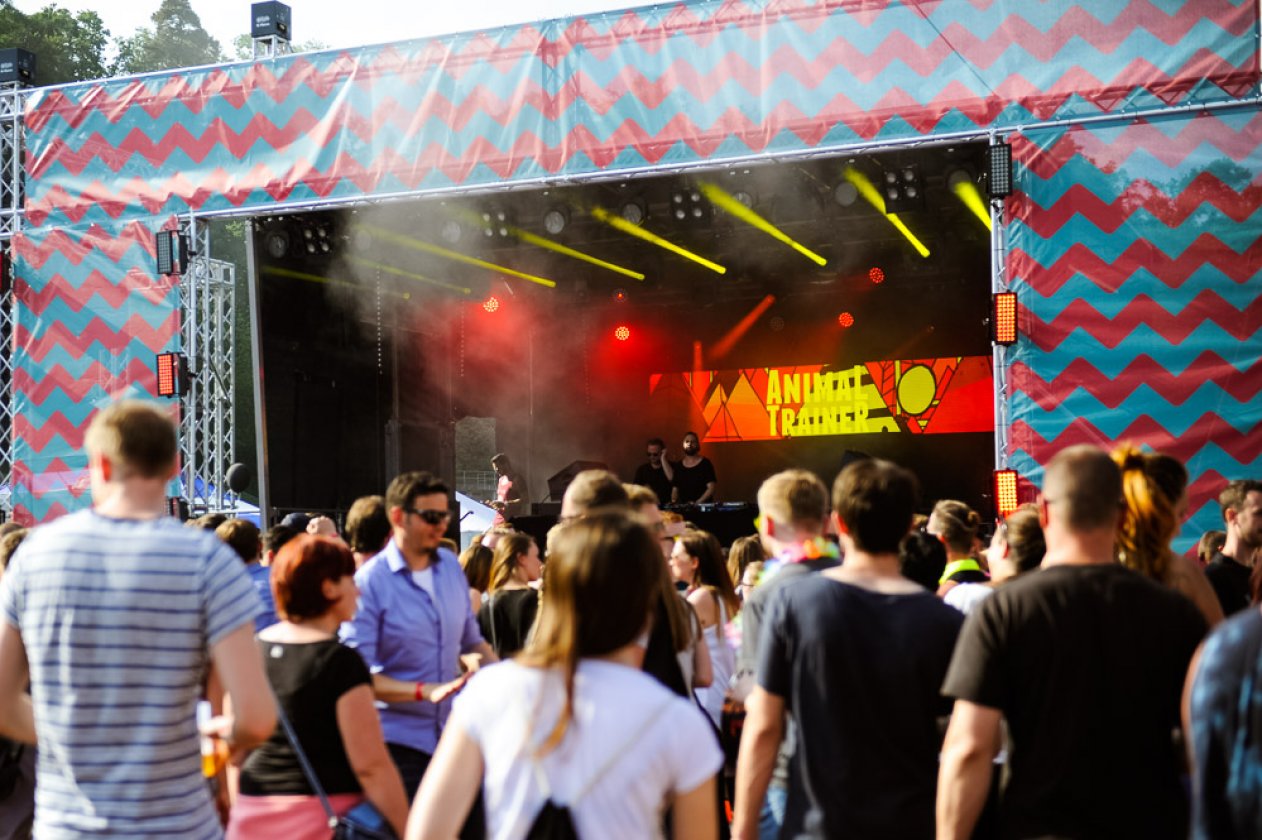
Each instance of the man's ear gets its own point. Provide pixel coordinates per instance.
(99, 463)
(838, 524)
(395, 515)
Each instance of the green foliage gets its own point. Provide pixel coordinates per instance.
(68, 47)
(176, 39)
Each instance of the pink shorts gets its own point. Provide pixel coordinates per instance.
(290, 817)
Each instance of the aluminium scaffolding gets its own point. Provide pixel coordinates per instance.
(12, 102)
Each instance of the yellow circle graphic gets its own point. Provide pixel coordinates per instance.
(916, 389)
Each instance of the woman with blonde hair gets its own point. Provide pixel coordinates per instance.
(509, 610)
(744, 551)
(1154, 487)
(697, 561)
(572, 730)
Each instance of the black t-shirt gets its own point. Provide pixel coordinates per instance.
(655, 480)
(860, 673)
(308, 680)
(1087, 665)
(1230, 581)
(514, 613)
(691, 481)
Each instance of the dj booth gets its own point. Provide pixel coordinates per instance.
(726, 520)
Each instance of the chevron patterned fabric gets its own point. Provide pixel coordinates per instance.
(1136, 253)
(110, 162)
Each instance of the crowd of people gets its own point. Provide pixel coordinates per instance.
(852, 669)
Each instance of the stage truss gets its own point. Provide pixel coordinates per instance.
(12, 101)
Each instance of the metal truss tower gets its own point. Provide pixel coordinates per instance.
(208, 335)
(12, 101)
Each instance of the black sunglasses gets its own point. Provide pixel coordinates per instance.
(431, 517)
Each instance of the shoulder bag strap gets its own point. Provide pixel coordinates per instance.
(307, 769)
(490, 611)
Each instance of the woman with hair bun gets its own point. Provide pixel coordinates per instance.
(956, 524)
(573, 723)
(1154, 488)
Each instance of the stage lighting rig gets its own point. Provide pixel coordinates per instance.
(556, 219)
(496, 223)
(902, 189)
(999, 170)
(688, 206)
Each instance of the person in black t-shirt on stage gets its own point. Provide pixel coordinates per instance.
(658, 475)
(694, 474)
(1086, 660)
(856, 655)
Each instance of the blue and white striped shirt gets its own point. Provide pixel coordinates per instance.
(118, 617)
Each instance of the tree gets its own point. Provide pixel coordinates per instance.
(176, 39)
(68, 47)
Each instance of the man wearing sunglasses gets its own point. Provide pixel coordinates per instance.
(414, 623)
(656, 472)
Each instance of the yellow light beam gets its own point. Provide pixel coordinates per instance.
(620, 224)
(456, 256)
(870, 194)
(317, 278)
(967, 192)
(539, 241)
(411, 275)
(725, 202)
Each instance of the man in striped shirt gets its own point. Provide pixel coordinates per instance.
(116, 615)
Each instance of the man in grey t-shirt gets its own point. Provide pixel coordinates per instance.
(792, 510)
(115, 615)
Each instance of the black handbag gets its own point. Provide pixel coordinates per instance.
(363, 822)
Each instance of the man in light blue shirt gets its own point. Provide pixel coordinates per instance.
(414, 623)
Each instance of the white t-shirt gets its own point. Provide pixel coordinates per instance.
(613, 705)
(425, 580)
(966, 596)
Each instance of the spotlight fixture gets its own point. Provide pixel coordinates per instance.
(317, 238)
(776, 323)
(495, 223)
(634, 211)
(1003, 318)
(276, 243)
(451, 232)
(171, 252)
(903, 189)
(876, 274)
(1006, 496)
(963, 186)
(491, 304)
(845, 193)
(846, 320)
(999, 170)
(620, 296)
(174, 378)
(555, 220)
(688, 206)
(622, 333)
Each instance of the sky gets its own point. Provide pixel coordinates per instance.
(342, 23)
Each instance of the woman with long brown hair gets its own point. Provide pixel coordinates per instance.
(697, 561)
(1154, 487)
(511, 604)
(573, 722)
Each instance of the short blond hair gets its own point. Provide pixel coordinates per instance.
(796, 498)
(137, 437)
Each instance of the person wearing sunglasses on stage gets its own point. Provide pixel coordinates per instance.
(415, 627)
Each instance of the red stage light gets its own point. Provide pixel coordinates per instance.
(173, 374)
(1006, 492)
(876, 274)
(1004, 318)
(845, 319)
(491, 304)
(622, 333)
